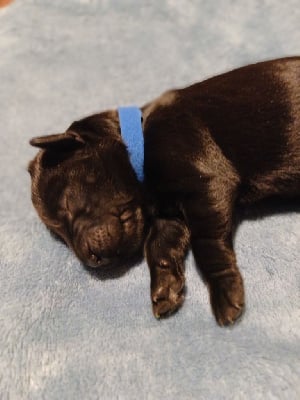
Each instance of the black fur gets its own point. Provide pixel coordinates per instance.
(233, 139)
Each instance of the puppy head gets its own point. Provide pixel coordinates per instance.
(86, 192)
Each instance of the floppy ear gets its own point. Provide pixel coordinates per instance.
(61, 142)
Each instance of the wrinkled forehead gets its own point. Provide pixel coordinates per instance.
(75, 176)
(88, 178)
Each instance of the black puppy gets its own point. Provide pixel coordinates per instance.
(233, 139)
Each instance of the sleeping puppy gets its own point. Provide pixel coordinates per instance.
(233, 139)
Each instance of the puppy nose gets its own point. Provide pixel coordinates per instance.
(98, 260)
(103, 243)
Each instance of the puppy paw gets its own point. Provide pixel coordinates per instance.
(227, 298)
(167, 290)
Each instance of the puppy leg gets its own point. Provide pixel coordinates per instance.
(165, 250)
(209, 214)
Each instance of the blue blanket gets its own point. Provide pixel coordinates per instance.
(64, 334)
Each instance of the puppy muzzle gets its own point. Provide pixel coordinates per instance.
(108, 242)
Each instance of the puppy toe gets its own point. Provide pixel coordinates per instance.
(227, 300)
(163, 307)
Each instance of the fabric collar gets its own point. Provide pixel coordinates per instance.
(132, 134)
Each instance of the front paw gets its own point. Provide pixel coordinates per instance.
(227, 298)
(167, 289)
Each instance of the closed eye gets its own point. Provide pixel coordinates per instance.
(126, 215)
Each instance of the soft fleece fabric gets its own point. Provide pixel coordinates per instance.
(65, 334)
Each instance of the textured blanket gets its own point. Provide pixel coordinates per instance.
(64, 334)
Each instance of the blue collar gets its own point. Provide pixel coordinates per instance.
(132, 134)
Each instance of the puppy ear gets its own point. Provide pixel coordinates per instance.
(61, 142)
